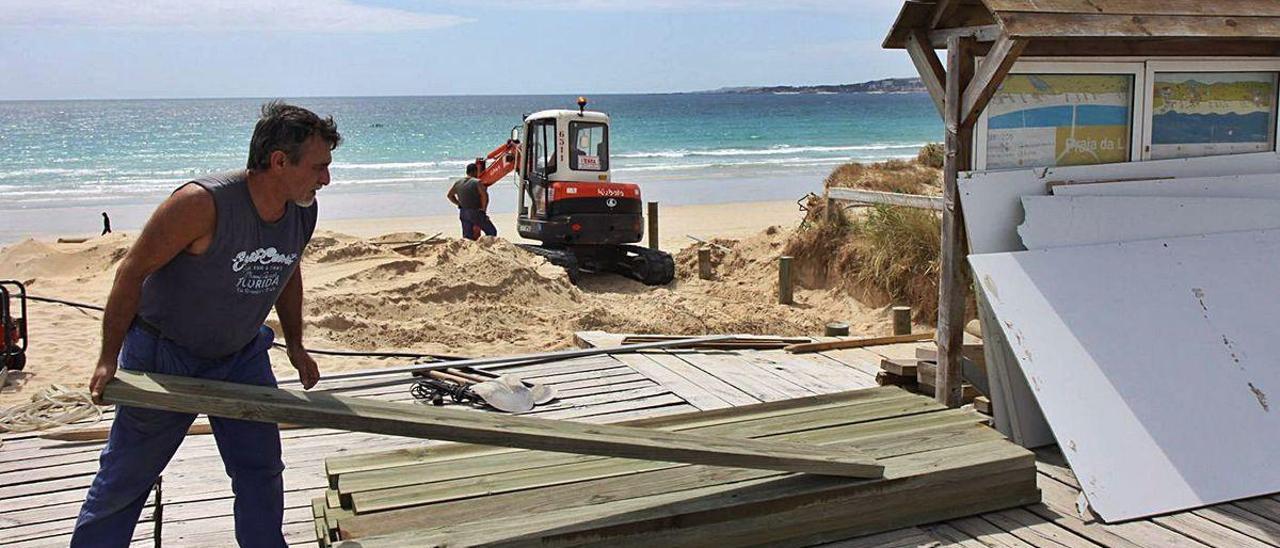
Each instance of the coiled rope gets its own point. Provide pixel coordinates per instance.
(52, 407)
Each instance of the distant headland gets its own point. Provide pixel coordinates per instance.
(886, 85)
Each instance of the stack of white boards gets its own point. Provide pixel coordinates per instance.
(992, 203)
(1142, 313)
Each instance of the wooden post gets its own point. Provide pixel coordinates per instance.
(902, 320)
(836, 329)
(951, 290)
(784, 280)
(704, 263)
(653, 225)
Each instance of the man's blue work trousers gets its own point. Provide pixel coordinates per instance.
(474, 222)
(143, 440)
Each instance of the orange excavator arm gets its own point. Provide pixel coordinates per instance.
(499, 163)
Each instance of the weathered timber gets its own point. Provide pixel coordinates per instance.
(863, 196)
(857, 343)
(951, 291)
(488, 468)
(886, 439)
(772, 509)
(927, 64)
(997, 63)
(335, 466)
(1073, 25)
(275, 405)
(1229, 8)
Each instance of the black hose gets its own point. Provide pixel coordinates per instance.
(353, 353)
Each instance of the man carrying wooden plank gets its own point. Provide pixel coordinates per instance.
(189, 299)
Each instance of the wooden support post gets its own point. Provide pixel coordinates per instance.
(653, 225)
(784, 280)
(951, 290)
(704, 263)
(929, 67)
(902, 320)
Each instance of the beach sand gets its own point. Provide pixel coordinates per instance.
(457, 297)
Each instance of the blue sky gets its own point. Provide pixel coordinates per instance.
(71, 49)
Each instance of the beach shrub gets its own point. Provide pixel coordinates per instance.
(881, 255)
(931, 155)
(902, 176)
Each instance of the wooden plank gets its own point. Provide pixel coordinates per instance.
(687, 390)
(767, 509)
(861, 360)
(1059, 506)
(263, 403)
(1234, 8)
(988, 77)
(1203, 300)
(815, 373)
(863, 196)
(882, 439)
(893, 404)
(338, 465)
(1074, 25)
(858, 343)
(759, 383)
(1063, 221)
(951, 290)
(1035, 530)
(928, 67)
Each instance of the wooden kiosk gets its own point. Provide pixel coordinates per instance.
(1124, 56)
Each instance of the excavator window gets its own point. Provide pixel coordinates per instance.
(590, 150)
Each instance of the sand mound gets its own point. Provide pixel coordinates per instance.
(453, 296)
(34, 260)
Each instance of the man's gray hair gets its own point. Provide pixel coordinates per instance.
(286, 127)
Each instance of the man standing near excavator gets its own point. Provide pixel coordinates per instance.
(472, 199)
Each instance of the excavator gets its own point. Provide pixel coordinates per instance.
(567, 201)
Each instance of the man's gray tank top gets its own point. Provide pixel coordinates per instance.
(213, 304)
(467, 190)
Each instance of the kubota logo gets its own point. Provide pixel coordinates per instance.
(613, 192)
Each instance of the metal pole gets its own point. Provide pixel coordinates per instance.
(524, 359)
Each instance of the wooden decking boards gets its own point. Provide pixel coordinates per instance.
(38, 503)
(568, 500)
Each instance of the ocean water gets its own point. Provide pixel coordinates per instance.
(62, 162)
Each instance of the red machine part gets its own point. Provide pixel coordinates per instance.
(499, 163)
(567, 190)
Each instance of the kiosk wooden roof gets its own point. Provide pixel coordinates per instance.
(1000, 31)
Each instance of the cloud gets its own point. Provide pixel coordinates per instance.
(218, 15)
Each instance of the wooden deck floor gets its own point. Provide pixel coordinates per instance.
(42, 482)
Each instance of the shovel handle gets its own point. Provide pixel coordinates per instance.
(441, 375)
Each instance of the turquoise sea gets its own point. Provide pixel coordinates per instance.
(63, 162)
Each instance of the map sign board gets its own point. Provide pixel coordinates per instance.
(1212, 113)
(1039, 120)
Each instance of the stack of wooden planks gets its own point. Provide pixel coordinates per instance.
(938, 464)
(918, 374)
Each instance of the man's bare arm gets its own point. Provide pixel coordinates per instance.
(289, 310)
(185, 217)
(453, 195)
(484, 197)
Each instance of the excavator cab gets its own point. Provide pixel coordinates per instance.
(567, 199)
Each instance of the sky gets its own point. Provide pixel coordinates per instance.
(117, 49)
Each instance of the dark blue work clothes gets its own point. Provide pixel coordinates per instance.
(143, 440)
(475, 222)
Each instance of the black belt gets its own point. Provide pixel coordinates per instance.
(147, 327)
